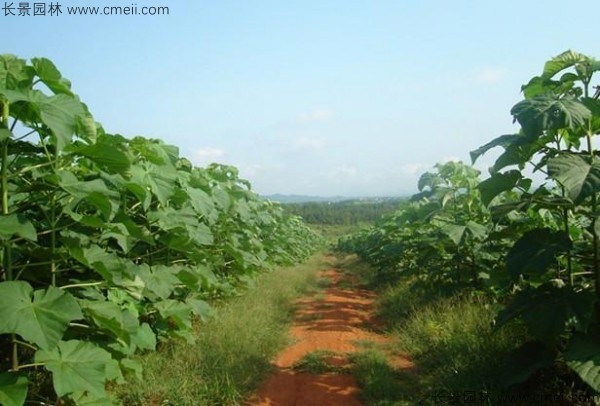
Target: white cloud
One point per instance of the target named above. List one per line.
(251, 170)
(316, 115)
(413, 168)
(308, 144)
(344, 171)
(203, 156)
(490, 76)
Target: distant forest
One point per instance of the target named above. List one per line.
(344, 213)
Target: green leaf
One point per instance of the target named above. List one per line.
(583, 357)
(178, 312)
(76, 366)
(548, 309)
(503, 140)
(110, 154)
(201, 308)
(478, 231)
(43, 320)
(12, 71)
(110, 317)
(133, 367)
(50, 76)
(549, 112)
(160, 179)
(536, 250)
(91, 399)
(524, 362)
(160, 280)
(16, 224)
(497, 184)
(454, 231)
(13, 389)
(575, 172)
(95, 192)
(60, 112)
(561, 62)
(145, 338)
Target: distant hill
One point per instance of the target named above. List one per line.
(305, 199)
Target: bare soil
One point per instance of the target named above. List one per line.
(338, 321)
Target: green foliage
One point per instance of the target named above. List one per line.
(536, 250)
(378, 380)
(350, 212)
(109, 244)
(232, 352)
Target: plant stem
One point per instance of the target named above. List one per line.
(53, 267)
(7, 248)
(596, 265)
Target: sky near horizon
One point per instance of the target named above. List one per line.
(327, 98)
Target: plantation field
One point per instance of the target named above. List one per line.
(130, 276)
(110, 246)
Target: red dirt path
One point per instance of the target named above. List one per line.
(335, 324)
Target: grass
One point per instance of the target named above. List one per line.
(317, 362)
(380, 383)
(449, 338)
(232, 352)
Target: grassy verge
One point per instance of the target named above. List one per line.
(232, 352)
(449, 338)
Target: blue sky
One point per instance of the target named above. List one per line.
(348, 98)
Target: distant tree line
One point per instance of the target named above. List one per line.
(343, 213)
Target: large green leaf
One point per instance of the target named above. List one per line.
(145, 338)
(95, 192)
(561, 62)
(498, 183)
(580, 175)
(84, 398)
(549, 112)
(16, 224)
(12, 72)
(50, 76)
(110, 317)
(160, 280)
(60, 113)
(536, 250)
(170, 219)
(457, 232)
(13, 389)
(548, 309)
(108, 265)
(178, 312)
(76, 366)
(583, 357)
(41, 321)
(161, 180)
(503, 140)
(109, 153)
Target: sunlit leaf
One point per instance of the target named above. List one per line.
(578, 174)
(76, 366)
(40, 317)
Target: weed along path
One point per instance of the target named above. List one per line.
(328, 327)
